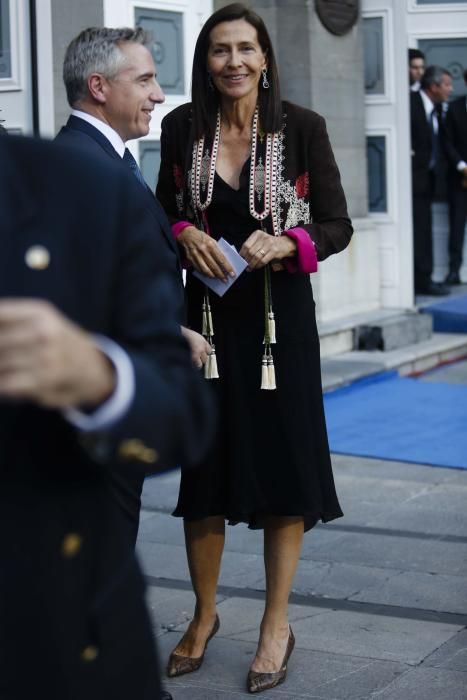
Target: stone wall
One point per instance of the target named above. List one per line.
(68, 19)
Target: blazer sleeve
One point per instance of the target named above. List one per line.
(173, 168)
(170, 417)
(331, 228)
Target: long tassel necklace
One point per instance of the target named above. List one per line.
(263, 180)
(203, 170)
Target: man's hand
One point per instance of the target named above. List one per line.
(47, 359)
(199, 347)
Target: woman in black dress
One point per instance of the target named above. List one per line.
(240, 164)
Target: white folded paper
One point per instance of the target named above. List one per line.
(237, 262)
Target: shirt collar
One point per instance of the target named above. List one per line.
(427, 103)
(104, 128)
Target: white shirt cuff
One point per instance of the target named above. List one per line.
(116, 405)
(461, 165)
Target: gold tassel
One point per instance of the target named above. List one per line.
(207, 368)
(264, 373)
(214, 373)
(204, 330)
(271, 373)
(210, 326)
(210, 368)
(272, 327)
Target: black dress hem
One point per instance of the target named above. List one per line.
(256, 521)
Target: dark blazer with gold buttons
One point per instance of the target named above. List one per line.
(72, 618)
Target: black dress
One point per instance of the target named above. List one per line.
(271, 454)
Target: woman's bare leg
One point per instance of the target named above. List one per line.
(282, 545)
(204, 541)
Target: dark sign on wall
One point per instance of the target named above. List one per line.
(338, 16)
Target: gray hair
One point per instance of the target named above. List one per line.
(96, 50)
(433, 76)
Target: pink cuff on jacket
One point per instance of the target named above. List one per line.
(179, 227)
(306, 260)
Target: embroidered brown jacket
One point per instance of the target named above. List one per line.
(308, 193)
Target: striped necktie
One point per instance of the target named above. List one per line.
(133, 165)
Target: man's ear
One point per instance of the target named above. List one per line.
(97, 87)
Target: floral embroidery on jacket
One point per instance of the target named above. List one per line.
(178, 176)
(298, 212)
(177, 172)
(293, 206)
(302, 185)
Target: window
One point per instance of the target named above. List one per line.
(167, 48)
(376, 168)
(439, 2)
(150, 160)
(5, 40)
(374, 55)
(449, 53)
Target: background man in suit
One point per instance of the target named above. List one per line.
(436, 86)
(416, 68)
(94, 376)
(110, 78)
(455, 142)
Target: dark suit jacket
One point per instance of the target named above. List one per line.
(455, 135)
(83, 136)
(72, 619)
(421, 146)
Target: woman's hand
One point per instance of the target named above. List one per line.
(204, 254)
(260, 248)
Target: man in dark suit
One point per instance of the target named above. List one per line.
(111, 85)
(94, 377)
(436, 86)
(455, 143)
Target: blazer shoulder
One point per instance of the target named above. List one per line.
(415, 98)
(459, 105)
(301, 116)
(180, 116)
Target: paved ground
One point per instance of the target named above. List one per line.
(379, 607)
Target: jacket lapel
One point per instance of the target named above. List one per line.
(154, 206)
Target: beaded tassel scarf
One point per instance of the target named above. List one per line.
(262, 191)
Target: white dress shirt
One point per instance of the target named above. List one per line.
(429, 106)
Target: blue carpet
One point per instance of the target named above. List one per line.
(450, 315)
(400, 419)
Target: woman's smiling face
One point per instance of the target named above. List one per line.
(235, 59)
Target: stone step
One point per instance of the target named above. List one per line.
(413, 359)
(391, 333)
(382, 329)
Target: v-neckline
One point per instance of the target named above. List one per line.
(234, 189)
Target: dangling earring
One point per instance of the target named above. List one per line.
(210, 83)
(265, 79)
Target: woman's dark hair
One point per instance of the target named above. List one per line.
(205, 99)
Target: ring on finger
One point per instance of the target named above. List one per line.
(262, 252)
